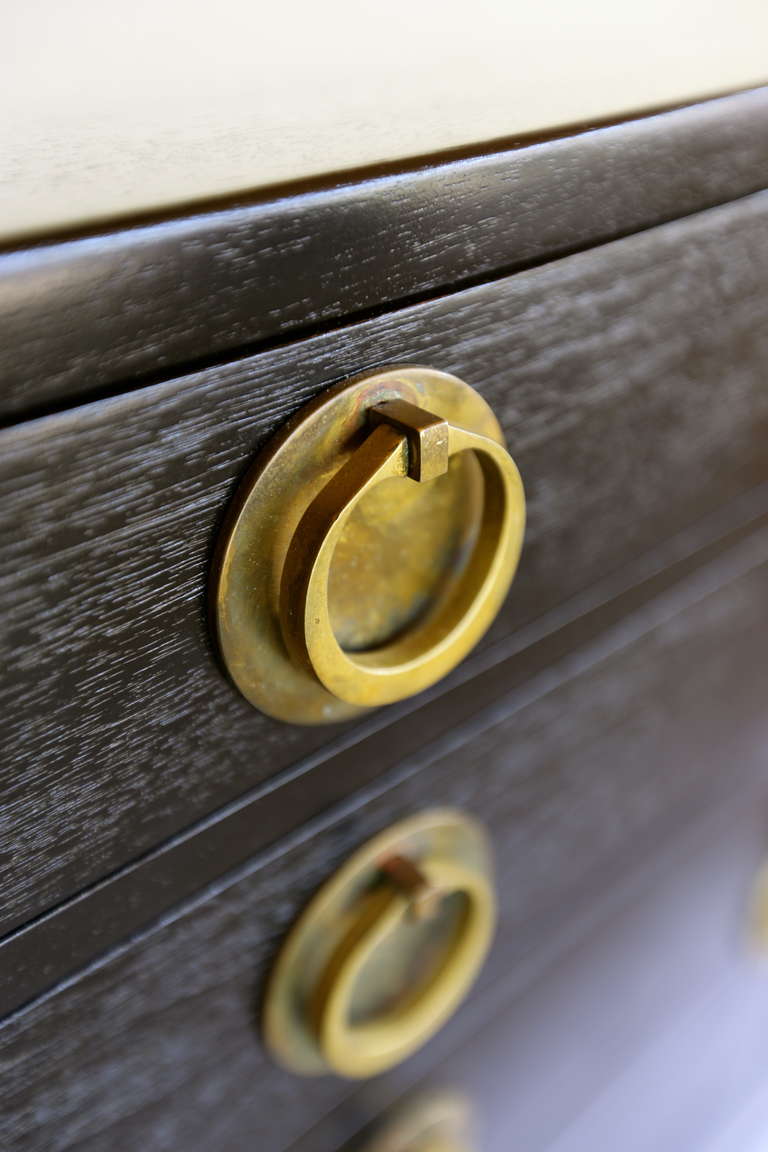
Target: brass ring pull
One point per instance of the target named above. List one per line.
(429, 1122)
(369, 547)
(386, 951)
(408, 442)
(369, 1048)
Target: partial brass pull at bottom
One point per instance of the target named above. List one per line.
(431, 1122)
(386, 951)
(369, 548)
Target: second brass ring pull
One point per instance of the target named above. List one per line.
(386, 950)
(407, 441)
(366, 1049)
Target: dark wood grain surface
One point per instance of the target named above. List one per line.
(647, 1029)
(630, 381)
(98, 312)
(158, 1046)
(83, 928)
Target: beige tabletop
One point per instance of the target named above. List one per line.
(116, 109)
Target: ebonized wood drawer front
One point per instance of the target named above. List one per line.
(578, 783)
(646, 1029)
(630, 381)
(83, 315)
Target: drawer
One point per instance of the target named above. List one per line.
(646, 1029)
(630, 384)
(95, 312)
(579, 775)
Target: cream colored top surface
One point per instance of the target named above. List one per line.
(113, 109)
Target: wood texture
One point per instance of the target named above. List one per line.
(609, 1044)
(159, 1047)
(630, 383)
(95, 313)
(78, 931)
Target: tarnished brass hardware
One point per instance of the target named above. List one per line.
(439, 1122)
(423, 897)
(386, 950)
(369, 548)
(758, 911)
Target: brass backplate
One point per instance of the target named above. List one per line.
(380, 583)
(402, 962)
